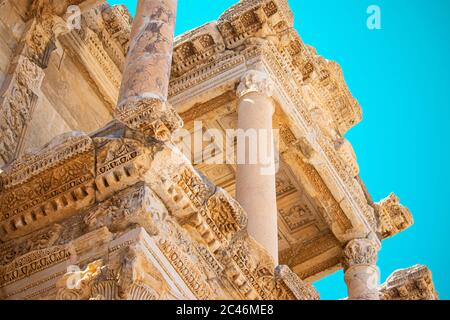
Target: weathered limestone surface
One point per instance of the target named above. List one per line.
(121, 213)
(414, 283)
(32, 45)
(135, 202)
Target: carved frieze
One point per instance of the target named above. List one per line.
(59, 181)
(43, 239)
(19, 95)
(263, 18)
(33, 262)
(291, 287)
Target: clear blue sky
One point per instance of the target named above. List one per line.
(401, 77)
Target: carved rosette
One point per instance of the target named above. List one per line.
(255, 81)
(360, 252)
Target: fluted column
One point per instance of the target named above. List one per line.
(255, 179)
(361, 273)
(143, 94)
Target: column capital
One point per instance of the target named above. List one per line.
(360, 252)
(255, 81)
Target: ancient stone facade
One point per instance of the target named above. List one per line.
(115, 209)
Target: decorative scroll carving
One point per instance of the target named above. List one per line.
(227, 214)
(360, 252)
(186, 269)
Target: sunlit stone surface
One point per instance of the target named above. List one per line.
(98, 201)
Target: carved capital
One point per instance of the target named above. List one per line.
(360, 252)
(255, 81)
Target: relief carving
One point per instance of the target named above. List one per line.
(393, 216)
(360, 252)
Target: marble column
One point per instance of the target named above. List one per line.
(143, 94)
(255, 178)
(361, 272)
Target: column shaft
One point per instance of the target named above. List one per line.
(147, 66)
(255, 179)
(362, 283)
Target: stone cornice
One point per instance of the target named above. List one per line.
(394, 217)
(128, 179)
(100, 47)
(305, 81)
(328, 161)
(414, 283)
(88, 50)
(20, 92)
(46, 8)
(273, 21)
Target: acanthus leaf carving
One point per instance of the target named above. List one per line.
(360, 252)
